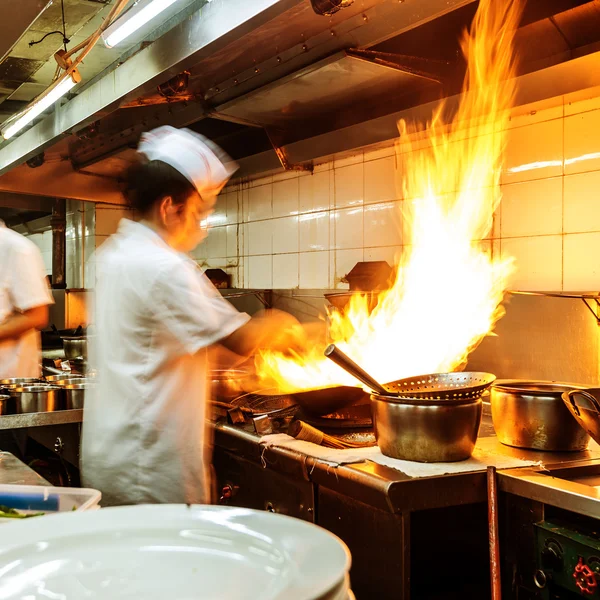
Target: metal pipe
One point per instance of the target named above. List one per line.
(59, 244)
(345, 362)
(493, 532)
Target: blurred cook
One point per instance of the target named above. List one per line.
(156, 316)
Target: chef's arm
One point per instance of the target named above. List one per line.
(19, 323)
(275, 330)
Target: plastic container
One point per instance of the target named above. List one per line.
(33, 499)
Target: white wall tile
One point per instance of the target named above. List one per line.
(260, 235)
(536, 113)
(260, 202)
(314, 270)
(348, 158)
(349, 185)
(348, 227)
(218, 217)
(285, 271)
(380, 151)
(315, 191)
(233, 249)
(232, 200)
(383, 225)
(390, 254)
(582, 202)
(217, 242)
(285, 197)
(582, 101)
(267, 180)
(582, 146)
(380, 180)
(532, 208)
(582, 267)
(534, 152)
(345, 260)
(538, 262)
(260, 272)
(285, 235)
(314, 231)
(108, 217)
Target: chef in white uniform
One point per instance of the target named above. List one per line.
(156, 315)
(24, 300)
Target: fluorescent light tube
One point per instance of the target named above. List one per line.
(131, 21)
(37, 108)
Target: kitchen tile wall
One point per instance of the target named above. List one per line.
(308, 230)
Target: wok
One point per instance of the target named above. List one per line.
(327, 400)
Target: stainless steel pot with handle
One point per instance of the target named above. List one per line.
(532, 415)
(36, 398)
(425, 430)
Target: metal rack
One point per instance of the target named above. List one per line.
(591, 300)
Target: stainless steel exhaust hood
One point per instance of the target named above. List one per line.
(275, 73)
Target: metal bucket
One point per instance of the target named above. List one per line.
(424, 430)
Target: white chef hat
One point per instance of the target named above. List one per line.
(197, 158)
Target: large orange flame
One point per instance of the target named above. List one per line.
(449, 288)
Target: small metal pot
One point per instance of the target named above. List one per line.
(425, 430)
(532, 415)
(75, 395)
(65, 381)
(36, 398)
(6, 405)
(53, 379)
(14, 382)
(75, 347)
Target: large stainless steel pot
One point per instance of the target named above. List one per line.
(36, 398)
(425, 430)
(55, 378)
(532, 415)
(75, 395)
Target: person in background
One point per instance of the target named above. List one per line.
(145, 437)
(24, 300)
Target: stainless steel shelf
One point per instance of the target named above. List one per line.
(44, 419)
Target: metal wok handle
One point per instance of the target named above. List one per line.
(591, 399)
(342, 360)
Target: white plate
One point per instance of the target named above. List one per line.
(169, 552)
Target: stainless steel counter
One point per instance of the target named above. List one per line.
(382, 487)
(15, 472)
(43, 419)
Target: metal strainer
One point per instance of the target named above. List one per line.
(442, 385)
(437, 386)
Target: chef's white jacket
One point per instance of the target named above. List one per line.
(144, 430)
(23, 286)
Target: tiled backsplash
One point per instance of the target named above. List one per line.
(308, 230)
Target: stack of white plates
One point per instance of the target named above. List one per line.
(172, 552)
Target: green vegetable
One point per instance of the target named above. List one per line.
(10, 513)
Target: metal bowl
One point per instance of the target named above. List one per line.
(36, 398)
(532, 415)
(54, 378)
(66, 381)
(424, 430)
(12, 382)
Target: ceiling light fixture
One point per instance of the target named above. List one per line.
(139, 14)
(57, 91)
